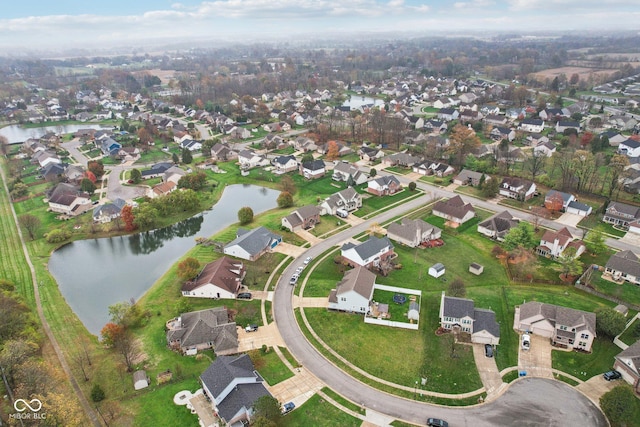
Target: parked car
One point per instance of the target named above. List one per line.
(299, 270)
(288, 407)
(244, 295)
(307, 260)
(251, 328)
(612, 375)
(342, 213)
(293, 279)
(437, 422)
(488, 350)
(526, 342)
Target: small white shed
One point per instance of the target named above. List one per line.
(436, 270)
(140, 380)
(414, 311)
(476, 268)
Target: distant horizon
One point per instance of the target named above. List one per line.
(38, 26)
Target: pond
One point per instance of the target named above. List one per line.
(355, 102)
(16, 134)
(94, 274)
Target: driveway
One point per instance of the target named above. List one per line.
(537, 360)
(289, 249)
(488, 370)
(308, 237)
(569, 219)
(297, 389)
(265, 335)
(596, 386)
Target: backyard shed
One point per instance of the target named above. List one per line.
(414, 311)
(436, 270)
(476, 268)
(140, 380)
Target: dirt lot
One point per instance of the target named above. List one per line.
(568, 71)
(163, 75)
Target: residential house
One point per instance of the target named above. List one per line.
(563, 125)
(470, 116)
(413, 232)
(156, 170)
(535, 139)
(577, 208)
(517, 188)
(251, 244)
(469, 177)
(354, 292)
(440, 169)
(370, 253)
(202, 330)
(566, 327)
(496, 120)
(129, 154)
(305, 144)
(313, 169)
(630, 148)
(343, 149)
(554, 243)
(627, 362)
(109, 211)
(499, 133)
(53, 172)
(191, 144)
(621, 214)
(110, 147)
(435, 126)
(221, 278)
(384, 185)
(161, 189)
(284, 164)
(448, 114)
(614, 137)
(498, 225)
(400, 159)
(44, 158)
(248, 159)
(69, 200)
(345, 171)
(557, 200)
(370, 154)
(223, 152)
(545, 149)
(624, 265)
(454, 210)
(621, 122)
(232, 385)
(173, 174)
(348, 199)
(549, 114)
(302, 218)
(461, 313)
(532, 125)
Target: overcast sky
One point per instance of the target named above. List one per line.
(65, 23)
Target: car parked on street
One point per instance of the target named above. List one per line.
(307, 260)
(437, 422)
(612, 375)
(244, 295)
(293, 279)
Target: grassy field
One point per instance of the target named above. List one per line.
(631, 334)
(625, 291)
(584, 365)
(270, 366)
(318, 412)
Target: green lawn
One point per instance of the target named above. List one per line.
(625, 291)
(342, 401)
(328, 225)
(584, 365)
(376, 204)
(318, 412)
(399, 170)
(155, 407)
(631, 335)
(269, 366)
(594, 222)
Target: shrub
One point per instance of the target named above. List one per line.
(412, 185)
(97, 393)
(57, 235)
(245, 215)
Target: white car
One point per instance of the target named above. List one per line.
(307, 260)
(526, 342)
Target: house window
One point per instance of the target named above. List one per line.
(584, 336)
(343, 299)
(563, 328)
(570, 341)
(582, 344)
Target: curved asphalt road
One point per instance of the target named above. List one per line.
(528, 402)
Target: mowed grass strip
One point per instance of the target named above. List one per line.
(318, 412)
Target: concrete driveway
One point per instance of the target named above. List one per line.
(570, 219)
(537, 360)
(289, 249)
(297, 389)
(265, 335)
(596, 386)
(488, 370)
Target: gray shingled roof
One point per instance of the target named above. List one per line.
(370, 247)
(454, 207)
(579, 206)
(625, 262)
(501, 222)
(222, 372)
(552, 193)
(632, 352)
(359, 280)
(559, 315)
(313, 165)
(457, 307)
(485, 320)
(211, 325)
(408, 228)
(254, 241)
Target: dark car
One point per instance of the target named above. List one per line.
(488, 350)
(437, 422)
(612, 375)
(244, 295)
(288, 407)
